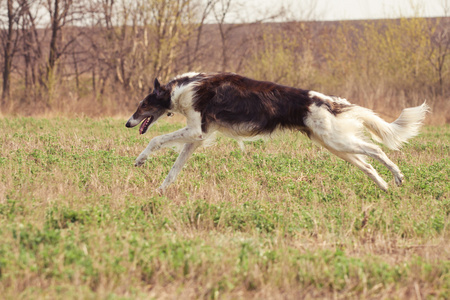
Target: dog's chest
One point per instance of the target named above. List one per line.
(182, 99)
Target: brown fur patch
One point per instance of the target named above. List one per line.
(229, 99)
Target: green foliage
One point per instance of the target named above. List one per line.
(366, 59)
(283, 58)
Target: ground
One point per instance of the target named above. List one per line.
(284, 219)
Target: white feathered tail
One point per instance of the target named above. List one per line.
(397, 133)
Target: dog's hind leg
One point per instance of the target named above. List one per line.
(343, 136)
(375, 152)
(357, 146)
(187, 151)
(344, 152)
(359, 161)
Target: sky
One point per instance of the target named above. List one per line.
(347, 9)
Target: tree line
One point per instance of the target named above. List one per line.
(45, 41)
(107, 52)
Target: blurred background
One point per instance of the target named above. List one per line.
(99, 57)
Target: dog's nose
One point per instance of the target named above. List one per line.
(128, 124)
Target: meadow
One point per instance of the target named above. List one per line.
(282, 220)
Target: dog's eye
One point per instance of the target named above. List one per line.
(144, 104)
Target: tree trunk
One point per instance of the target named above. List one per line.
(75, 66)
(53, 42)
(8, 54)
(94, 89)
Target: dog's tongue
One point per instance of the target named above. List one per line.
(143, 126)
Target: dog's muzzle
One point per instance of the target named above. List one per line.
(146, 122)
(132, 122)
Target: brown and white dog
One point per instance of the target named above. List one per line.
(245, 108)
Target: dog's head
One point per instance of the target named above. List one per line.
(154, 105)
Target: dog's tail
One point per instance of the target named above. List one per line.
(395, 134)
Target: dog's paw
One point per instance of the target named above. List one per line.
(161, 190)
(399, 178)
(384, 186)
(140, 160)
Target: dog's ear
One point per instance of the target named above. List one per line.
(156, 85)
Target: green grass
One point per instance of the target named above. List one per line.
(285, 219)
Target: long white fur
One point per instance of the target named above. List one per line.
(343, 135)
(394, 135)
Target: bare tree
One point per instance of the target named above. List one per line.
(196, 34)
(439, 52)
(440, 45)
(167, 17)
(9, 43)
(31, 42)
(227, 16)
(62, 13)
(137, 40)
(221, 10)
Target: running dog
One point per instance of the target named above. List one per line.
(243, 108)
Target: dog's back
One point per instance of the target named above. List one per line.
(252, 107)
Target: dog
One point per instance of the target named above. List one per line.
(244, 108)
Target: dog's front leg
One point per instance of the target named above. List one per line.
(187, 151)
(185, 135)
(140, 160)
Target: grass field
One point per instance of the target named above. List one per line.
(285, 219)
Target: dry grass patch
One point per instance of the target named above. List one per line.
(284, 219)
